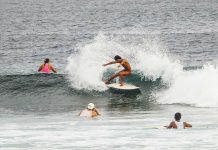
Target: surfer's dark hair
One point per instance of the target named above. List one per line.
(117, 57)
(177, 116)
(46, 60)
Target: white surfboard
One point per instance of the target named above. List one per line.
(124, 87)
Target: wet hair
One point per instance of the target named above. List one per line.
(46, 60)
(177, 116)
(117, 57)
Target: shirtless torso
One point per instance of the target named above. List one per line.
(123, 73)
(127, 68)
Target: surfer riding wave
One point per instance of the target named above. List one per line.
(122, 74)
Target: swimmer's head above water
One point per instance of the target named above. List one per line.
(177, 116)
(91, 106)
(46, 67)
(46, 60)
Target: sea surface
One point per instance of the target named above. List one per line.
(172, 46)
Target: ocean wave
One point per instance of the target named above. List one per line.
(33, 84)
(196, 86)
(30, 84)
(161, 77)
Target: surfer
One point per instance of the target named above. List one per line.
(177, 124)
(125, 72)
(46, 67)
(90, 111)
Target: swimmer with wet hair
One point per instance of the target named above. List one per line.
(46, 67)
(177, 123)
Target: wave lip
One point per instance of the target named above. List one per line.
(196, 87)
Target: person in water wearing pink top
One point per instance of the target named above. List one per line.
(47, 67)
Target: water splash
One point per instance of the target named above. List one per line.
(196, 87)
(148, 58)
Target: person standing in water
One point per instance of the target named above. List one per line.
(47, 67)
(122, 74)
(177, 124)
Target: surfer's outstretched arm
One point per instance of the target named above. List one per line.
(112, 62)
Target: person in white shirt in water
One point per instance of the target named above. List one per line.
(90, 111)
(177, 124)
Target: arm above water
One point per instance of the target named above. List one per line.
(40, 68)
(52, 68)
(79, 113)
(95, 112)
(171, 125)
(187, 125)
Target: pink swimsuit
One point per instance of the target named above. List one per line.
(46, 68)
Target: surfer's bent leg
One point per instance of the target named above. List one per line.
(122, 75)
(121, 80)
(111, 78)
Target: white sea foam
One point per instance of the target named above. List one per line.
(196, 87)
(85, 68)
